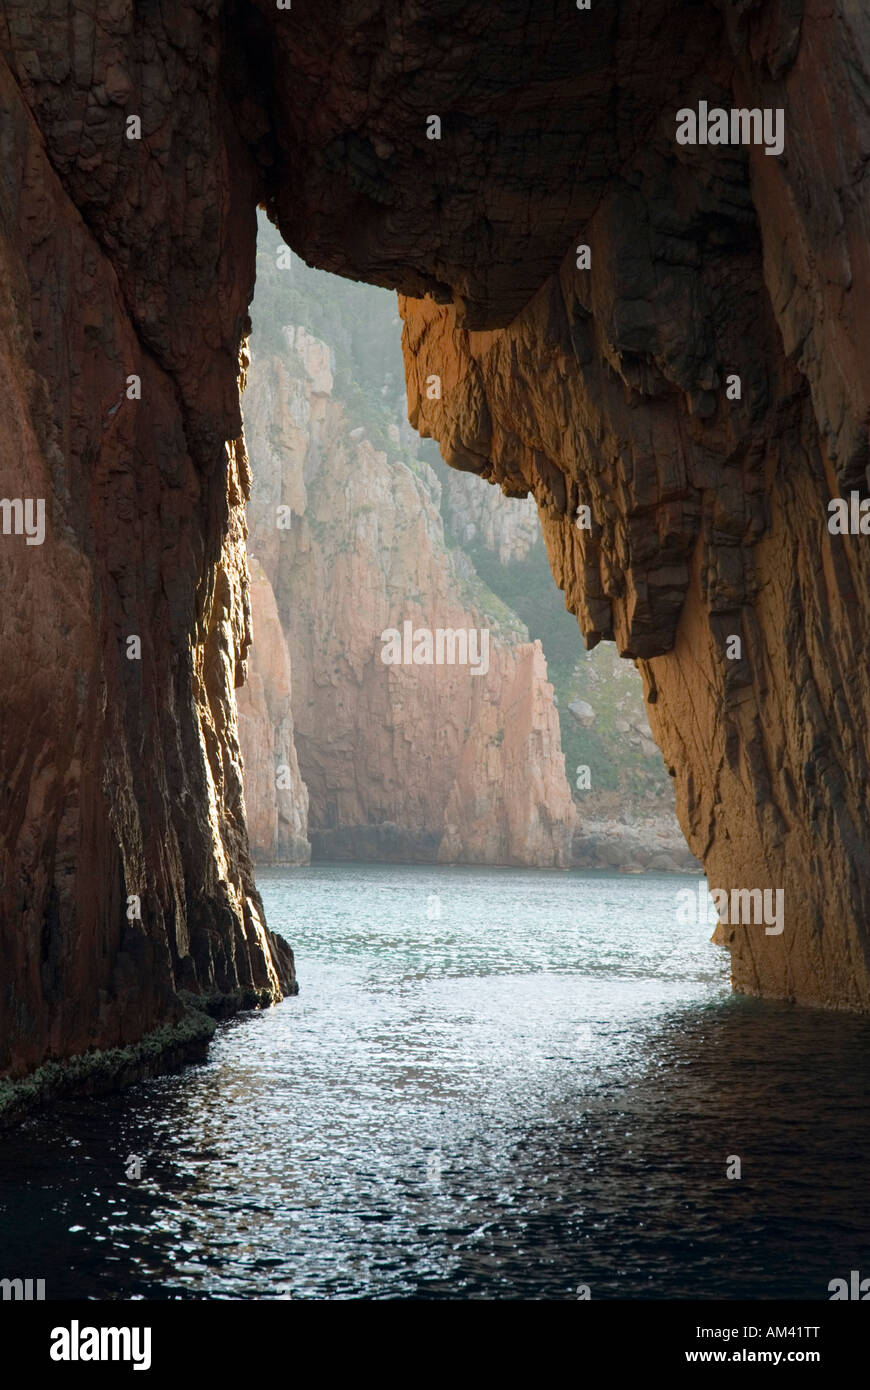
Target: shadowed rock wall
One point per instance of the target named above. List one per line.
(120, 778)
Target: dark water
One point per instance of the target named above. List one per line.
(536, 1089)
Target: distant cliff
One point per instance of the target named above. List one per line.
(481, 516)
(276, 797)
(401, 762)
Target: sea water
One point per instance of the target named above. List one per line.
(494, 1083)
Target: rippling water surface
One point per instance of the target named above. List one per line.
(536, 1089)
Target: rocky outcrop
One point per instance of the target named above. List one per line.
(401, 762)
(630, 838)
(478, 516)
(128, 251)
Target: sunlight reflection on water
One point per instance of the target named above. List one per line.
(534, 1086)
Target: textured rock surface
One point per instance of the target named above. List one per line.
(479, 515)
(601, 386)
(121, 777)
(401, 762)
(613, 836)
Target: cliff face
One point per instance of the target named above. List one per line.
(124, 870)
(478, 515)
(276, 798)
(129, 252)
(426, 762)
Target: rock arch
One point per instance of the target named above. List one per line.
(602, 387)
